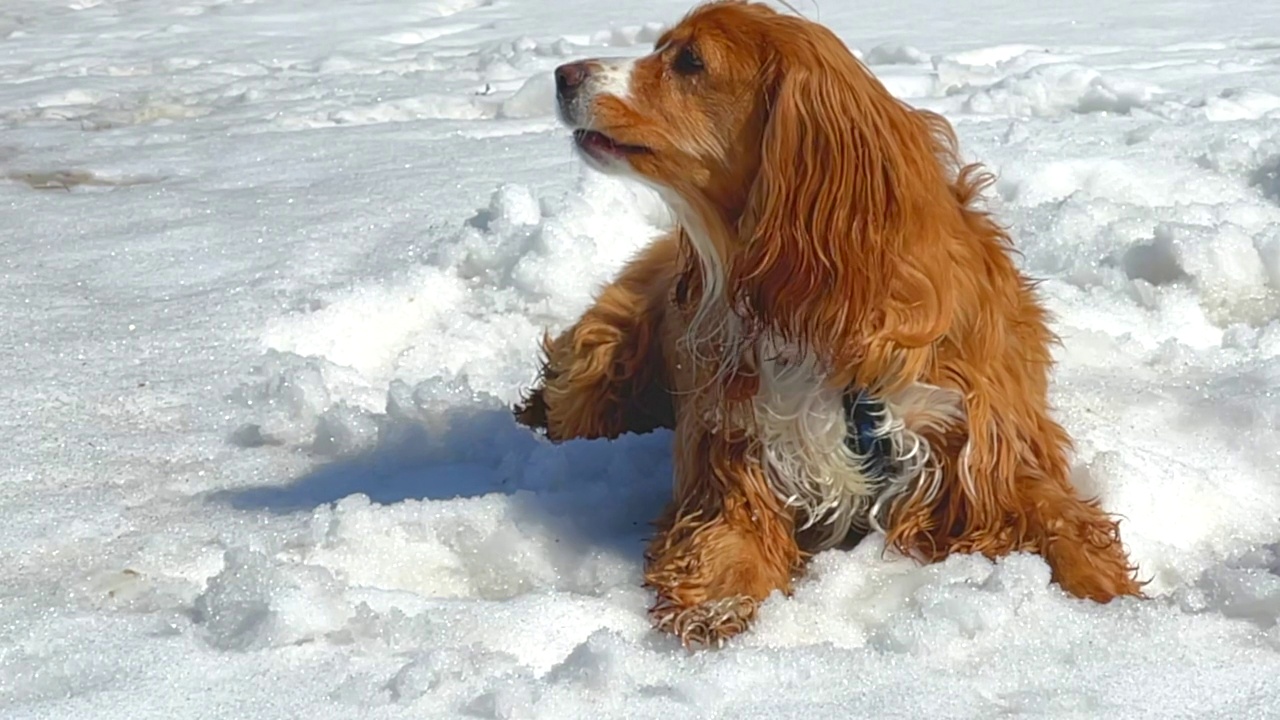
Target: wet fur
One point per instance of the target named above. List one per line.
(820, 214)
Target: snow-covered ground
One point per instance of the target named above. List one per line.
(271, 271)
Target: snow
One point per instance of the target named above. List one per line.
(273, 271)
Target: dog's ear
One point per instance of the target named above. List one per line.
(840, 234)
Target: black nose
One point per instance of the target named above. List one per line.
(569, 78)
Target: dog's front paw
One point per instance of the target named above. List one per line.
(707, 624)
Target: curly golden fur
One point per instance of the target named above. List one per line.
(822, 218)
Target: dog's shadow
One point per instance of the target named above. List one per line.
(599, 493)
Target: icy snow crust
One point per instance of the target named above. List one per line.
(273, 270)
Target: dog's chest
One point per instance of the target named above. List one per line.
(828, 457)
(821, 446)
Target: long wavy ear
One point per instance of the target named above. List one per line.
(841, 247)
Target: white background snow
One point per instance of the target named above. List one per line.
(271, 271)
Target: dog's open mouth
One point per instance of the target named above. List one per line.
(598, 144)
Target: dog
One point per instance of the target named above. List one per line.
(835, 332)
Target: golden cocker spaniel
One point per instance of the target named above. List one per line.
(837, 336)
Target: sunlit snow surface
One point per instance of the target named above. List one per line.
(270, 273)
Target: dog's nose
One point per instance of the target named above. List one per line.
(569, 78)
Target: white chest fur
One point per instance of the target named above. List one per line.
(801, 425)
(803, 428)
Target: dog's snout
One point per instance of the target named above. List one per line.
(569, 77)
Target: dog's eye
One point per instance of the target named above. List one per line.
(687, 61)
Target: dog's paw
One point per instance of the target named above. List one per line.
(531, 410)
(708, 624)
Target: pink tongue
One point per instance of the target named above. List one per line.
(600, 142)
